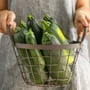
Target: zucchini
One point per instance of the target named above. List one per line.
(21, 29)
(56, 64)
(19, 37)
(50, 19)
(38, 74)
(54, 29)
(34, 25)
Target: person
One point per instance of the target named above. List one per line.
(72, 15)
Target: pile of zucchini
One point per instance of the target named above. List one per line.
(43, 65)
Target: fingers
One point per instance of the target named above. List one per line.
(13, 26)
(7, 18)
(10, 18)
(79, 28)
(10, 21)
(82, 20)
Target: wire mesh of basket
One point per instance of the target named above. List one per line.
(50, 65)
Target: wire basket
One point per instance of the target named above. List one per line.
(58, 67)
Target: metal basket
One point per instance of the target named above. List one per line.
(30, 72)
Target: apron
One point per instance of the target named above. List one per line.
(63, 12)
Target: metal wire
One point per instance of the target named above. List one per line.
(51, 56)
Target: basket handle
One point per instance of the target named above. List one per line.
(10, 35)
(80, 39)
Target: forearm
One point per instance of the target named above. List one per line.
(82, 3)
(3, 5)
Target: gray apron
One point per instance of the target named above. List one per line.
(62, 11)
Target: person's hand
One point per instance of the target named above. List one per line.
(7, 19)
(82, 20)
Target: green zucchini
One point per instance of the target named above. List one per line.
(19, 37)
(38, 74)
(34, 25)
(50, 19)
(56, 64)
(54, 29)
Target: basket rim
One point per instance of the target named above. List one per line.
(47, 47)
